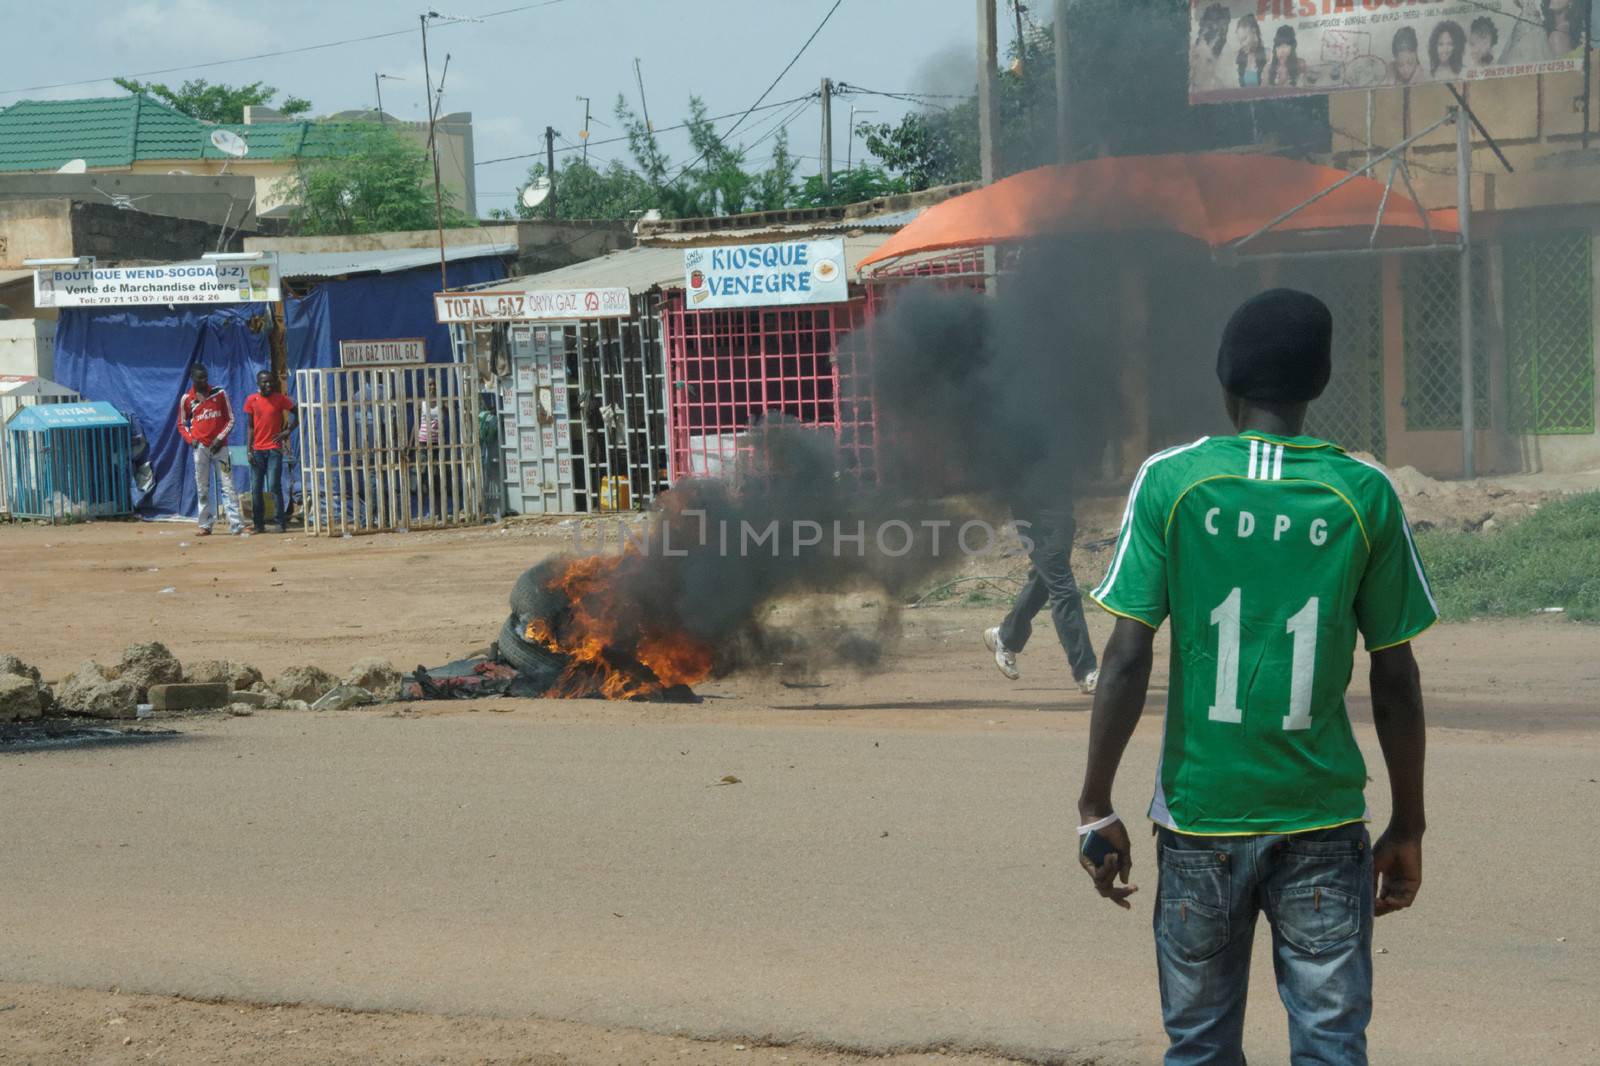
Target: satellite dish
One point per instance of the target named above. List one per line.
(74, 166)
(535, 192)
(229, 143)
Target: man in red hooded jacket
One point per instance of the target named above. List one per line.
(204, 422)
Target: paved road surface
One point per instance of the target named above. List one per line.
(875, 880)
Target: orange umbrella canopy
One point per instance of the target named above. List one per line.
(1212, 197)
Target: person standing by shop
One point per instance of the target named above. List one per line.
(205, 418)
(269, 418)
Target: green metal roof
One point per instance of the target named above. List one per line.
(117, 131)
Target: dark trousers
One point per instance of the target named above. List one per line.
(266, 469)
(1050, 581)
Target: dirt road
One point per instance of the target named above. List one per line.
(891, 872)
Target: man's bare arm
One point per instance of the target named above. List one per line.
(1118, 705)
(1397, 712)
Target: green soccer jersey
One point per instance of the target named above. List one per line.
(1268, 553)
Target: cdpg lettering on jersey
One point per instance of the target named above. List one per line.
(1282, 524)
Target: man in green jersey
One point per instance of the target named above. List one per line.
(1269, 551)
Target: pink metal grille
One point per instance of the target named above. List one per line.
(730, 369)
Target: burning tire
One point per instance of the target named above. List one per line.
(535, 663)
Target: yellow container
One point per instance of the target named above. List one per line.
(614, 494)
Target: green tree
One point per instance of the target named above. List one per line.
(216, 103)
(370, 180)
(715, 181)
(584, 191)
(861, 182)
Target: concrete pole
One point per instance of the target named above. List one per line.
(1064, 152)
(988, 92)
(550, 169)
(1469, 435)
(827, 134)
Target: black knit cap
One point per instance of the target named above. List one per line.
(1277, 348)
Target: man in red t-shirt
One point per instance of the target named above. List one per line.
(270, 419)
(205, 419)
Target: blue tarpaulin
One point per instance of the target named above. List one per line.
(376, 307)
(138, 358)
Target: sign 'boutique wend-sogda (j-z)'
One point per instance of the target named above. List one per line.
(766, 275)
(164, 283)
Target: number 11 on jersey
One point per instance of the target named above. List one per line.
(1302, 627)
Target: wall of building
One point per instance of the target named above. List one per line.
(208, 199)
(540, 246)
(34, 229)
(27, 346)
(1538, 123)
(1529, 118)
(453, 132)
(113, 235)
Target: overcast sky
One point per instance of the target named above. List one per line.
(515, 72)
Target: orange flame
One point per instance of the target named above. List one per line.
(589, 641)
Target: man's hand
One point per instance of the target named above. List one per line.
(1118, 863)
(1396, 872)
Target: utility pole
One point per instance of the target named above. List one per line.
(1022, 44)
(827, 134)
(550, 169)
(584, 136)
(377, 87)
(1064, 148)
(988, 92)
(1469, 412)
(433, 150)
(644, 105)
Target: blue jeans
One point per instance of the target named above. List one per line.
(1316, 891)
(266, 475)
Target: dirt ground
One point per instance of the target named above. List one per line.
(274, 601)
(51, 1026)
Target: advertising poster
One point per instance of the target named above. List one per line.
(766, 275)
(1265, 49)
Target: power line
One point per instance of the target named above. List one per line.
(664, 129)
(269, 55)
(768, 90)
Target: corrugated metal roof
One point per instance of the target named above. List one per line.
(889, 221)
(338, 264)
(115, 131)
(647, 267)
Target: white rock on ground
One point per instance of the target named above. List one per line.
(305, 683)
(377, 676)
(241, 677)
(19, 698)
(91, 692)
(147, 664)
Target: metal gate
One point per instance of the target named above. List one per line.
(1350, 411)
(386, 449)
(1549, 290)
(583, 415)
(733, 368)
(1433, 340)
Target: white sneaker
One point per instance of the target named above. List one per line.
(1090, 682)
(1005, 661)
